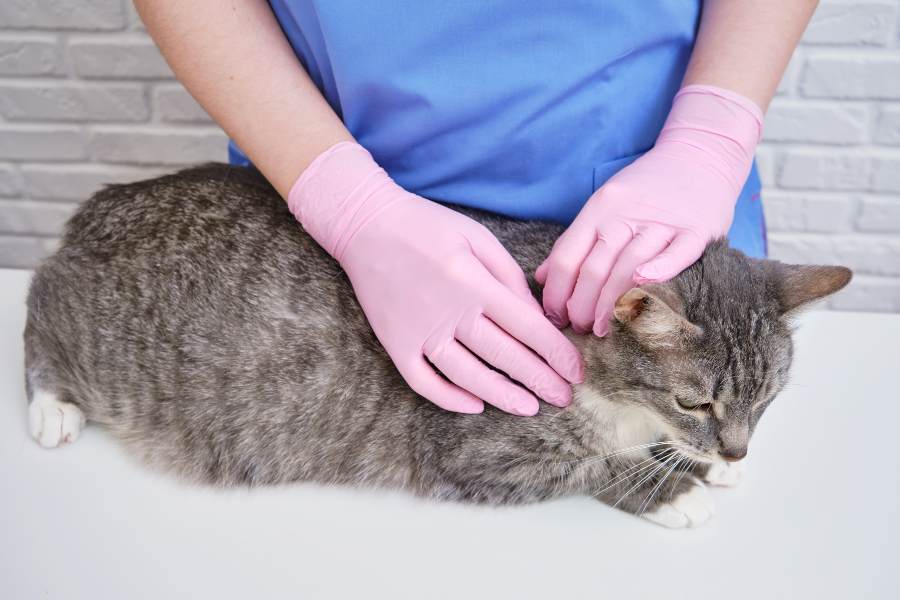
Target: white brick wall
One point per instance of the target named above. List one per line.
(830, 160)
(85, 99)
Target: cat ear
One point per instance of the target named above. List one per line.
(654, 317)
(799, 285)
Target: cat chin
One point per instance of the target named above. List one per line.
(631, 424)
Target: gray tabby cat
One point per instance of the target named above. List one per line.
(193, 317)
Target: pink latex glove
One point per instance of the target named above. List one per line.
(435, 284)
(654, 218)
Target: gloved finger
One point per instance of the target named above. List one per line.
(646, 244)
(684, 251)
(424, 381)
(595, 271)
(534, 330)
(540, 274)
(498, 261)
(560, 270)
(469, 373)
(500, 350)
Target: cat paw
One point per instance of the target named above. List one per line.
(726, 474)
(690, 509)
(51, 422)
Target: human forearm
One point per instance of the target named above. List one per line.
(235, 60)
(745, 45)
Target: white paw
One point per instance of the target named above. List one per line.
(52, 422)
(690, 509)
(727, 474)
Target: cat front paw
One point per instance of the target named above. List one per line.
(53, 422)
(725, 474)
(689, 509)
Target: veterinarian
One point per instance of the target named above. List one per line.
(632, 123)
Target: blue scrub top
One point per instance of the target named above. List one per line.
(520, 107)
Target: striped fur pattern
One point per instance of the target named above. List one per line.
(194, 319)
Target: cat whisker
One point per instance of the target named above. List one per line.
(589, 459)
(635, 470)
(567, 467)
(622, 451)
(632, 470)
(662, 480)
(644, 479)
(690, 467)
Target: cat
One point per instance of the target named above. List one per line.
(194, 318)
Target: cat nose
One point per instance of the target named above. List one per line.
(733, 454)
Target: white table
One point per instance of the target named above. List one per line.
(816, 517)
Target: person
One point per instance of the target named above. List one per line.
(633, 123)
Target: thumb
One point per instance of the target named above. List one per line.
(540, 274)
(504, 268)
(678, 256)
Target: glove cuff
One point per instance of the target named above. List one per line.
(337, 194)
(725, 125)
(736, 105)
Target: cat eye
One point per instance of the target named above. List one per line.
(688, 405)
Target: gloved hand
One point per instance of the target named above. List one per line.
(435, 284)
(654, 218)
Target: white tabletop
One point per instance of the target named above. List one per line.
(816, 516)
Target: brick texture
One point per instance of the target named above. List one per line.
(853, 22)
(30, 217)
(86, 100)
(887, 129)
(801, 121)
(74, 182)
(24, 251)
(846, 76)
(31, 55)
(11, 183)
(174, 105)
(132, 58)
(72, 102)
(41, 142)
(155, 146)
(104, 15)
